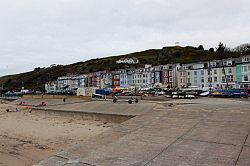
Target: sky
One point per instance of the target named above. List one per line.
(38, 33)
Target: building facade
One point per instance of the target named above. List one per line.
(219, 74)
(51, 87)
(66, 84)
(243, 72)
(124, 82)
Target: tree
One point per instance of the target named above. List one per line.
(177, 54)
(243, 48)
(201, 48)
(221, 48)
(37, 69)
(211, 50)
(221, 52)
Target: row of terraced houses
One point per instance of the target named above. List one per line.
(220, 74)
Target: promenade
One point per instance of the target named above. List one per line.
(198, 132)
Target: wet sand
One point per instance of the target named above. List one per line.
(26, 138)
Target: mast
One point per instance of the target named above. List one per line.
(221, 51)
(209, 73)
(225, 75)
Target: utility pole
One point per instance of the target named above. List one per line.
(221, 50)
(210, 80)
(224, 72)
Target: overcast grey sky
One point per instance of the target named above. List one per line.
(37, 33)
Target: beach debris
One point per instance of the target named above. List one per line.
(73, 162)
(170, 104)
(22, 103)
(14, 153)
(17, 110)
(42, 147)
(42, 104)
(70, 121)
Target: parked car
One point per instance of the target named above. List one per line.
(127, 93)
(98, 96)
(160, 93)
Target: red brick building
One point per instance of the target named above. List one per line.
(167, 78)
(116, 80)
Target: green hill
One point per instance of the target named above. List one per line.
(39, 76)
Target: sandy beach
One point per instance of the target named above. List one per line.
(26, 138)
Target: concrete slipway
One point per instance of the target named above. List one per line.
(206, 133)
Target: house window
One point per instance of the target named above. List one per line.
(195, 72)
(214, 64)
(246, 59)
(202, 79)
(245, 78)
(223, 71)
(229, 70)
(215, 79)
(202, 72)
(230, 78)
(215, 71)
(209, 79)
(244, 68)
(229, 63)
(223, 79)
(195, 81)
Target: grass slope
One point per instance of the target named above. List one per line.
(39, 76)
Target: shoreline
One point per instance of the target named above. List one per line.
(27, 138)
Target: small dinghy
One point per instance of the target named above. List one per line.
(204, 94)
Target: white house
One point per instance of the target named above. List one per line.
(51, 87)
(124, 78)
(70, 83)
(140, 78)
(128, 60)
